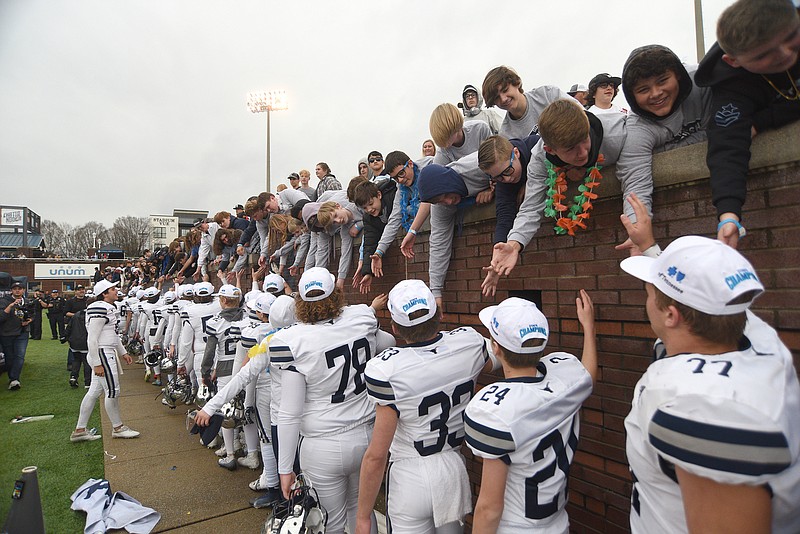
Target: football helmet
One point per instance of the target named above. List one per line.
(233, 412)
(135, 347)
(203, 395)
(177, 391)
(168, 365)
(154, 357)
(301, 514)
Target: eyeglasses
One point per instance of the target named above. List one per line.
(373, 160)
(402, 173)
(508, 171)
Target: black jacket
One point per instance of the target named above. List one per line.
(740, 100)
(373, 226)
(10, 324)
(76, 333)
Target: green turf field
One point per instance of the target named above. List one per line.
(63, 466)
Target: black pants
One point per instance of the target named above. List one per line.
(79, 358)
(56, 325)
(36, 326)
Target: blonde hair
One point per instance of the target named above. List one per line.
(493, 149)
(304, 172)
(281, 187)
(446, 120)
(278, 231)
(325, 214)
(563, 124)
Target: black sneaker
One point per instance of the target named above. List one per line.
(73, 382)
(272, 496)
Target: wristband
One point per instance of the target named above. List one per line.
(379, 253)
(412, 231)
(652, 252)
(742, 231)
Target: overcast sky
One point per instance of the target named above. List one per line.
(112, 108)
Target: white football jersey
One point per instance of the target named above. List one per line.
(193, 330)
(106, 314)
(429, 386)
(532, 424)
(331, 355)
(733, 418)
(228, 333)
(178, 307)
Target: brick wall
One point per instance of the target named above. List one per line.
(558, 266)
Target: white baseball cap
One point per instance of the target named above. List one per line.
(273, 283)
(515, 321)
(132, 292)
(704, 274)
(282, 312)
(139, 294)
(103, 285)
(409, 296)
(170, 297)
(203, 289)
(151, 292)
(230, 291)
(263, 303)
(317, 278)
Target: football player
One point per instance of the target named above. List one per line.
(713, 436)
(324, 395)
(420, 392)
(192, 342)
(104, 349)
(525, 427)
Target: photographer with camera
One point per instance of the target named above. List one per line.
(15, 319)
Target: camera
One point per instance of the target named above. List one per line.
(21, 313)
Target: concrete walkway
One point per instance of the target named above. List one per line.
(172, 472)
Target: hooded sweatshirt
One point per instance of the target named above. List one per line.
(740, 100)
(374, 226)
(462, 177)
(647, 133)
(322, 241)
(479, 113)
(607, 133)
(506, 205)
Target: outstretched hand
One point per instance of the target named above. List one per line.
(489, 285)
(504, 258)
(585, 311)
(640, 233)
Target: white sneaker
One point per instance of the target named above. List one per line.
(221, 452)
(228, 462)
(14, 384)
(124, 432)
(257, 485)
(250, 461)
(83, 435)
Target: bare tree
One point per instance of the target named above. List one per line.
(130, 234)
(60, 239)
(90, 235)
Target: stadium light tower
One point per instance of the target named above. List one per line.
(268, 101)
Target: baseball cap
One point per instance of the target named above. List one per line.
(238, 207)
(605, 78)
(294, 176)
(281, 313)
(170, 297)
(140, 294)
(20, 284)
(263, 303)
(702, 273)
(151, 292)
(132, 292)
(54, 291)
(185, 290)
(200, 221)
(99, 287)
(316, 278)
(203, 289)
(273, 283)
(230, 291)
(515, 321)
(577, 88)
(409, 296)
(79, 286)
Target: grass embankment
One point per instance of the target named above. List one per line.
(63, 466)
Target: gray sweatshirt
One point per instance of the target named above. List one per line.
(443, 219)
(538, 99)
(325, 239)
(645, 136)
(530, 212)
(474, 133)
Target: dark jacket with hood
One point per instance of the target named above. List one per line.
(647, 133)
(740, 100)
(76, 333)
(506, 195)
(373, 226)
